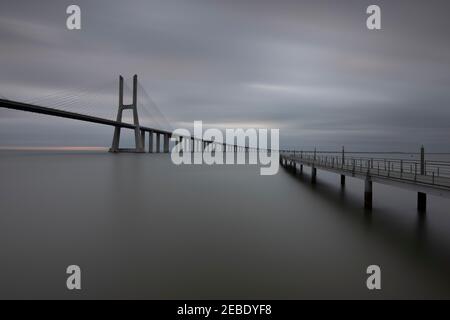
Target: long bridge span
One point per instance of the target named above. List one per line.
(155, 134)
(422, 176)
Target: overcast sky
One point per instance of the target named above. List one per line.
(310, 68)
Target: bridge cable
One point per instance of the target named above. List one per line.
(148, 105)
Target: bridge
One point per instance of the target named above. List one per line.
(155, 135)
(422, 176)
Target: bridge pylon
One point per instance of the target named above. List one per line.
(139, 142)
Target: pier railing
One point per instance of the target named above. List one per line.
(433, 172)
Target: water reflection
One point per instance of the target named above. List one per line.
(142, 227)
(378, 222)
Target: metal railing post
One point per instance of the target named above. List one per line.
(422, 161)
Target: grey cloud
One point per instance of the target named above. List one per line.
(308, 67)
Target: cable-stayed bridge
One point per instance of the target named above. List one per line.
(423, 176)
(80, 104)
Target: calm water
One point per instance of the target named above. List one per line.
(140, 227)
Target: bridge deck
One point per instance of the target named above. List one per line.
(15, 105)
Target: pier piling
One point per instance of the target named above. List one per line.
(368, 193)
(422, 202)
(313, 175)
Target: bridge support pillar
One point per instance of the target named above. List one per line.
(301, 169)
(421, 202)
(166, 143)
(158, 143)
(143, 140)
(342, 180)
(139, 145)
(180, 144)
(150, 142)
(313, 175)
(368, 193)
